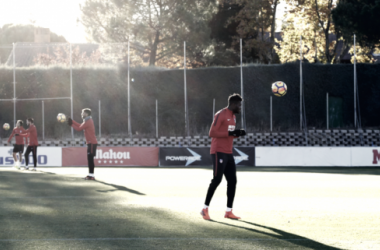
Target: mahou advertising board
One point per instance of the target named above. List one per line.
(111, 156)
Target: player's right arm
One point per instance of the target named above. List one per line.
(216, 126)
(10, 137)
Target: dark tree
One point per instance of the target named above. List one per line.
(223, 33)
(360, 18)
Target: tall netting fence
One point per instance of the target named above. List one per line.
(97, 76)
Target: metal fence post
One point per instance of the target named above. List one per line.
(185, 87)
(213, 109)
(14, 83)
(271, 115)
(71, 89)
(241, 86)
(355, 115)
(327, 110)
(156, 118)
(301, 81)
(129, 97)
(100, 120)
(43, 121)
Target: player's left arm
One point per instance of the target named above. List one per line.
(80, 127)
(74, 122)
(75, 125)
(24, 135)
(25, 138)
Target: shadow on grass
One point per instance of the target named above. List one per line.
(282, 235)
(117, 188)
(40, 211)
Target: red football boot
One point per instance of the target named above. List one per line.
(205, 215)
(230, 215)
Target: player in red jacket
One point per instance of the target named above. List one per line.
(89, 134)
(31, 132)
(223, 133)
(19, 146)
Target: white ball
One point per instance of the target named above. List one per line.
(6, 126)
(61, 117)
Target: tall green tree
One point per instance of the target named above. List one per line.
(155, 27)
(311, 19)
(256, 19)
(223, 33)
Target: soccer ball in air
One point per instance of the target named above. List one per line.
(279, 88)
(61, 117)
(6, 126)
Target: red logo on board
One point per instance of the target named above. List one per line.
(376, 156)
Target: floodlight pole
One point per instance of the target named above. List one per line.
(71, 89)
(129, 98)
(301, 81)
(185, 87)
(355, 118)
(241, 84)
(14, 84)
(43, 121)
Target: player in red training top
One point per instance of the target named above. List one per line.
(89, 134)
(223, 133)
(31, 132)
(19, 146)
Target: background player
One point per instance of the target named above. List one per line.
(89, 134)
(31, 132)
(19, 146)
(223, 133)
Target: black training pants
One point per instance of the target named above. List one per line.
(32, 149)
(91, 153)
(224, 164)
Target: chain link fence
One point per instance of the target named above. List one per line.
(47, 79)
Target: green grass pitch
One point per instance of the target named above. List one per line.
(158, 208)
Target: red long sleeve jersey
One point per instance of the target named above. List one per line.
(89, 130)
(31, 132)
(19, 139)
(224, 121)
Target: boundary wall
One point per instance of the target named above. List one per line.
(199, 156)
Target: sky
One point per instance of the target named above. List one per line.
(60, 16)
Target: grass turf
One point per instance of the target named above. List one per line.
(151, 208)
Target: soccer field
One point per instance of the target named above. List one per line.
(152, 208)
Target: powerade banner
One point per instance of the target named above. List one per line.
(200, 156)
(185, 157)
(46, 157)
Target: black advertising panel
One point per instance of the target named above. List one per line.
(244, 156)
(200, 156)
